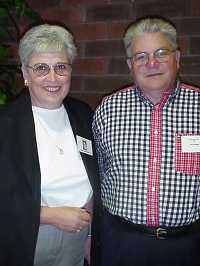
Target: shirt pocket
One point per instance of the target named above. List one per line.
(186, 162)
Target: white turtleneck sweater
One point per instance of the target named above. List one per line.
(64, 181)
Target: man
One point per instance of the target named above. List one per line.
(148, 144)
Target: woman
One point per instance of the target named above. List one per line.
(48, 159)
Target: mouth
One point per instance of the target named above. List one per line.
(153, 75)
(52, 89)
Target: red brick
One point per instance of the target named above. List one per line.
(24, 24)
(101, 67)
(67, 16)
(195, 45)
(104, 48)
(188, 26)
(104, 84)
(108, 12)
(118, 66)
(93, 99)
(192, 79)
(116, 29)
(43, 3)
(190, 65)
(89, 66)
(81, 48)
(120, 1)
(90, 31)
(81, 2)
(76, 84)
(13, 51)
(167, 8)
(184, 44)
(195, 6)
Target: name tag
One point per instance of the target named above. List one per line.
(84, 145)
(190, 143)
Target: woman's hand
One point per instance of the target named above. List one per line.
(70, 219)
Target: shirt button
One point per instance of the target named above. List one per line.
(154, 160)
(156, 132)
(153, 189)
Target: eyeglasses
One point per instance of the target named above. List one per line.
(42, 69)
(161, 55)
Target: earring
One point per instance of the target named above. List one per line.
(26, 82)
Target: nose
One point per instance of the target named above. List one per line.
(52, 74)
(152, 62)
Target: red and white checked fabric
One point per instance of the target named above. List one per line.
(145, 178)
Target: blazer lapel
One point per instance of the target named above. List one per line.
(27, 154)
(72, 120)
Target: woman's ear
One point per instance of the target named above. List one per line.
(25, 75)
(24, 72)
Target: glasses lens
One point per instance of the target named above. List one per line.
(140, 58)
(62, 69)
(41, 69)
(162, 55)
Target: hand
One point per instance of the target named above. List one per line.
(70, 219)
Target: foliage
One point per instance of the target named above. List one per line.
(12, 12)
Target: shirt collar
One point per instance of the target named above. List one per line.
(167, 98)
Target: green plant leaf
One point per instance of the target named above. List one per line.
(20, 8)
(11, 12)
(3, 12)
(32, 15)
(3, 52)
(3, 97)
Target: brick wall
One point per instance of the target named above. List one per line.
(98, 26)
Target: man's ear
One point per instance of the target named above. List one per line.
(178, 56)
(129, 63)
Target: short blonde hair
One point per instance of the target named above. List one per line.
(149, 25)
(47, 38)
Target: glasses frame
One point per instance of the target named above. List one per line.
(49, 68)
(157, 58)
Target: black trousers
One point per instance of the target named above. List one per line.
(124, 247)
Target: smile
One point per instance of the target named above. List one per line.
(52, 89)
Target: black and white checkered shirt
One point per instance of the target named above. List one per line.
(147, 176)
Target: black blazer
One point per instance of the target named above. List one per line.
(21, 179)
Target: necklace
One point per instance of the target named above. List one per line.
(61, 151)
(58, 145)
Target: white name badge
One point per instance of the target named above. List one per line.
(190, 143)
(84, 145)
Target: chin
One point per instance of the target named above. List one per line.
(157, 86)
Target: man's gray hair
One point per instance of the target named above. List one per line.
(47, 38)
(149, 25)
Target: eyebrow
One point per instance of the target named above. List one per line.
(161, 48)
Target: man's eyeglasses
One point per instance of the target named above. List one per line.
(161, 55)
(42, 69)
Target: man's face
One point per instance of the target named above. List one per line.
(154, 75)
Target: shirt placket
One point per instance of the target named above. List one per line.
(154, 164)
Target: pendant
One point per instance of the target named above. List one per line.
(61, 152)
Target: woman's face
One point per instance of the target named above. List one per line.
(47, 91)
